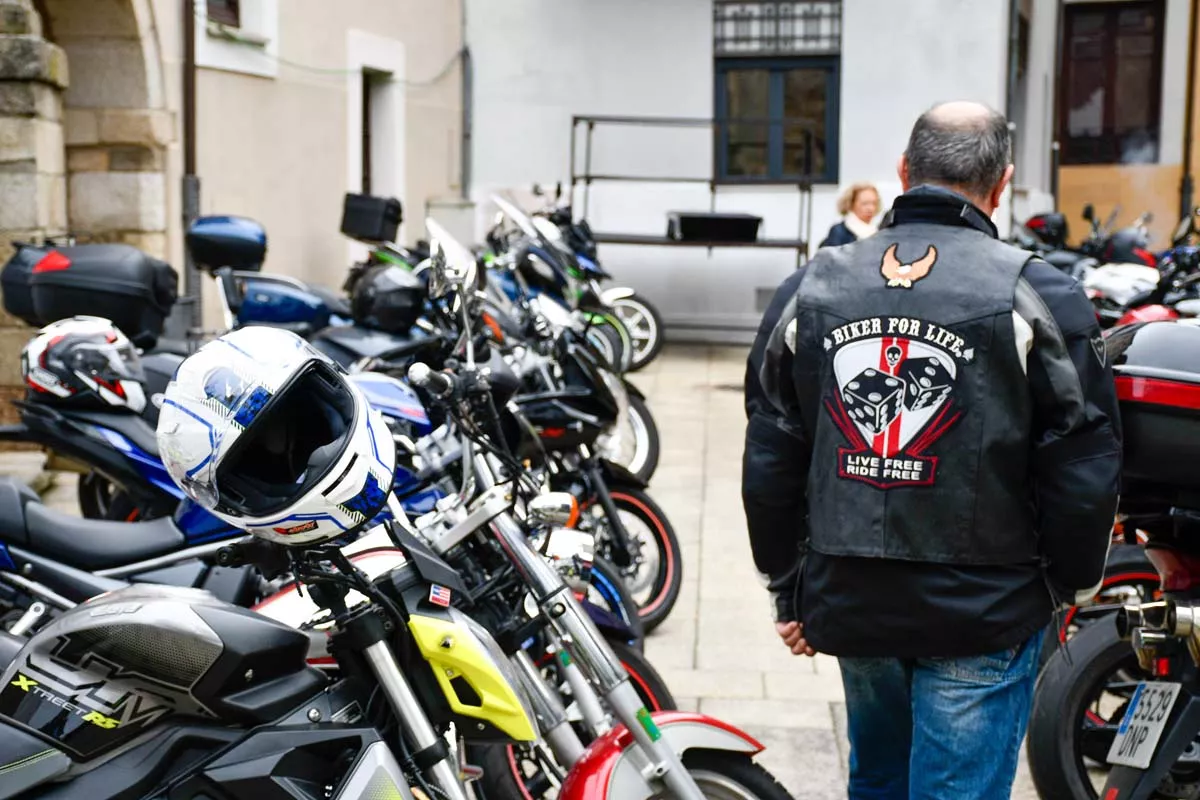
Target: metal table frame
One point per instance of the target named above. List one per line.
(586, 178)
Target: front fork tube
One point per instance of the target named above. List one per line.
(621, 550)
(548, 708)
(593, 714)
(589, 649)
(412, 716)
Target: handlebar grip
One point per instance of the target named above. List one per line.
(439, 384)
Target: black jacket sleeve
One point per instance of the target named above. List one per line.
(776, 457)
(1076, 447)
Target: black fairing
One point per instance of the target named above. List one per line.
(1165, 349)
(262, 669)
(279, 764)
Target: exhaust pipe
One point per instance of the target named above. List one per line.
(1141, 615)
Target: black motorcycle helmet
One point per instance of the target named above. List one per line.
(387, 298)
(1128, 246)
(1050, 228)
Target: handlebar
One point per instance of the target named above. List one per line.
(438, 384)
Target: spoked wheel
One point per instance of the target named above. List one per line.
(645, 328)
(1077, 709)
(635, 445)
(655, 575)
(523, 772)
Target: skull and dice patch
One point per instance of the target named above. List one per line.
(894, 397)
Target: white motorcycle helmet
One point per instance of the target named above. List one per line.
(266, 432)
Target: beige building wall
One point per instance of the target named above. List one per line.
(283, 149)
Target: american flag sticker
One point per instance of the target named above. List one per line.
(439, 596)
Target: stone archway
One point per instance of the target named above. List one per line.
(84, 131)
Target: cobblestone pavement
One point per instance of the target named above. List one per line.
(718, 651)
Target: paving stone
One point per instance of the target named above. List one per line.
(770, 713)
(710, 683)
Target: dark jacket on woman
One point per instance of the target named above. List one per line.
(839, 235)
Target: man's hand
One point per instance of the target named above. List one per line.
(792, 634)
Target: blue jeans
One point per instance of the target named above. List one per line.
(938, 728)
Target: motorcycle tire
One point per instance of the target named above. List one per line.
(719, 773)
(645, 430)
(1127, 566)
(1062, 702)
(608, 342)
(645, 326)
(503, 778)
(608, 591)
(656, 602)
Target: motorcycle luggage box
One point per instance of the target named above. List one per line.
(114, 281)
(1157, 368)
(14, 281)
(371, 219)
(225, 241)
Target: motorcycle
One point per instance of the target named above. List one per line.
(1109, 719)
(640, 317)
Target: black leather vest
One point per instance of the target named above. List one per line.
(911, 388)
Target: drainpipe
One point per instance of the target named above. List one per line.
(1187, 186)
(1055, 145)
(467, 91)
(191, 182)
(1010, 98)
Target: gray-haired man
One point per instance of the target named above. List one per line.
(931, 466)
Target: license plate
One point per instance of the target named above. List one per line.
(1143, 724)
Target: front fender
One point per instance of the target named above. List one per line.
(610, 769)
(632, 389)
(616, 293)
(615, 475)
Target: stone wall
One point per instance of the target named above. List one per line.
(33, 188)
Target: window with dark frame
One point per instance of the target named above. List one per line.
(776, 89)
(227, 12)
(1110, 85)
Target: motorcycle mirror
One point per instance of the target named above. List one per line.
(554, 508)
(452, 264)
(1148, 217)
(1089, 212)
(558, 191)
(537, 190)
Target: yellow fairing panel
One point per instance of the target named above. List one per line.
(453, 651)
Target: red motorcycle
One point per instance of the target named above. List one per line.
(1116, 721)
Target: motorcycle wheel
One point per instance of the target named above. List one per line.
(656, 574)
(512, 772)
(645, 327)
(1077, 708)
(100, 498)
(1128, 577)
(607, 590)
(639, 448)
(608, 341)
(721, 775)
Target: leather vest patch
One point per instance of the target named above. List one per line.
(894, 397)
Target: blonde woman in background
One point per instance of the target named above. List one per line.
(858, 206)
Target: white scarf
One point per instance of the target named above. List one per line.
(859, 228)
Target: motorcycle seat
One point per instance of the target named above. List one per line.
(133, 427)
(85, 544)
(27, 761)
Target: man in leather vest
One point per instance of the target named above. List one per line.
(931, 468)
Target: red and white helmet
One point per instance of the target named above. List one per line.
(84, 361)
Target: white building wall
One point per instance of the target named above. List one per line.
(538, 62)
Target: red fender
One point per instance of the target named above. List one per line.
(592, 775)
(1148, 314)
